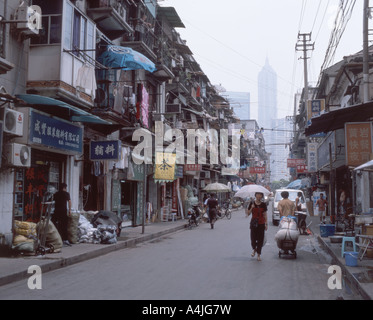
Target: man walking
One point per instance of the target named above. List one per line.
(60, 216)
(322, 204)
(213, 206)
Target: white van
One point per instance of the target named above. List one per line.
(293, 194)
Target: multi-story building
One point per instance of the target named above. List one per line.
(77, 87)
(335, 130)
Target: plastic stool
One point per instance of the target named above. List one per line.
(348, 239)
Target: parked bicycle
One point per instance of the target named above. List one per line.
(226, 211)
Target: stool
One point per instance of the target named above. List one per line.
(348, 239)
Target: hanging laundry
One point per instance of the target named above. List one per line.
(86, 78)
(145, 107)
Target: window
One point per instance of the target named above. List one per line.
(51, 22)
(79, 32)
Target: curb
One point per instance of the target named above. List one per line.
(348, 276)
(64, 262)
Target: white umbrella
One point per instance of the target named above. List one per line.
(217, 187)
(250, 190)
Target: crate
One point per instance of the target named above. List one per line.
(327, 230)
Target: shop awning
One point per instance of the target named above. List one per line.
(334, 120)
(366, 166)
(117, 57)
(61, 109)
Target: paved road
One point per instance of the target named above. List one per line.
(192, 264)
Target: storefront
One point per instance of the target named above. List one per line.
(49, 146)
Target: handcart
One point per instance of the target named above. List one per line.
(45, 217)
(287, 237)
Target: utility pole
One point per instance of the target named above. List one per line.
(304, 45)
(366, 17)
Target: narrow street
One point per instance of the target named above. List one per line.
(198, 264)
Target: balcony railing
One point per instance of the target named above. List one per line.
(112, 16)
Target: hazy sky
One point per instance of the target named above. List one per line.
(231, 40)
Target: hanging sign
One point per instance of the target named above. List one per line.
(105, 150)
(358, 143)
(165, 166)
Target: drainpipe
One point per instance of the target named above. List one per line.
(5, 36)
(366, 94)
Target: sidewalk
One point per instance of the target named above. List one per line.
(15, 269)
(360, 277)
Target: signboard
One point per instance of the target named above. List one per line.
(312, 156)
(115, 195)
(293, 163)
(358, 143)
(55, 133)
(104, 150)
(165, 166)
(302, 168)
(314, 109)
(258, 170)
(193, 167)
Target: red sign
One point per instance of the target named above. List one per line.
(258, 170)
(302, 168)
(358, 143)
(193, 167)
(293, 163)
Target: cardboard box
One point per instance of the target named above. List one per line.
(368, 230)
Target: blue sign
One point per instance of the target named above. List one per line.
(105, 150)
(55, 133)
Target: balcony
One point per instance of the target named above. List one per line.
(142, 40)
(111, 16)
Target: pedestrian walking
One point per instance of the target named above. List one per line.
(258, 223)
(286, 207)
(322, 204)
(213, 206)
(298, 203)
(62, 209)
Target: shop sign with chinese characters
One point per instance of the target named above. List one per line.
(312, 156)
(165, 166)
(257, 170)
(55, 133)
(293, 163)
(358, 143)
(105, 150)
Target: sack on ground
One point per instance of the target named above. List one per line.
(27, 229)
(52, 235)
(72, 227)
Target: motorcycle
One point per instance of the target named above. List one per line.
(194, 216)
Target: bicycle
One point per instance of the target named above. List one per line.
(226, 211)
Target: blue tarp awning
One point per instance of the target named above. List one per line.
(73, 114)
(124, 58)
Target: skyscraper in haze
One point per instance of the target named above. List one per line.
(267, 96)
(267, 110)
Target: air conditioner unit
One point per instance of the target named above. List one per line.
(173, 108)
(29, 18)
(18, 155)
(13, 121)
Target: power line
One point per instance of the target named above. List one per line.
(343, 17)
